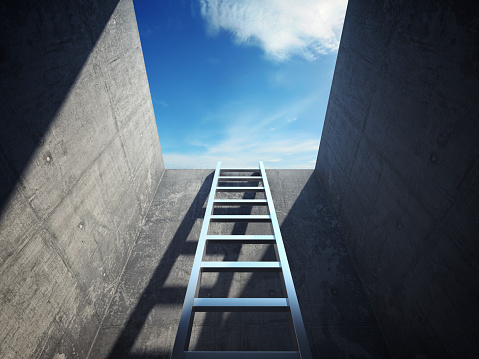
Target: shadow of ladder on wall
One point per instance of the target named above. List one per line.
(193, 303)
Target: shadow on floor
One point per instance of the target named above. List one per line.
(337, 316)
(154, 294)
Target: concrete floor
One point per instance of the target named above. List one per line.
(143, 316)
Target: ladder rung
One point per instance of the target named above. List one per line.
(241, 355)
(232, 169)
(288, 304)
(244, 239)
(240, 218)
(241, 304)
(240, 266)
(239, 178)
(240, 202)
(239, 189)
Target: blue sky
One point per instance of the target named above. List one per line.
(240, 81)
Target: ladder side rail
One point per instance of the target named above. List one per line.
(299, 329)
(182, 335)
(283, 287)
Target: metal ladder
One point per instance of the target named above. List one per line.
(194, 304)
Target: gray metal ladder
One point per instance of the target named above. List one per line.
(194, 304)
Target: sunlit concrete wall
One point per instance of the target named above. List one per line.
(399, 160)
(80, 161)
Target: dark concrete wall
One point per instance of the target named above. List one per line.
(80, 161)
(399, 161)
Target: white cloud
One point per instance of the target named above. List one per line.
(282, 28)
(291, 119)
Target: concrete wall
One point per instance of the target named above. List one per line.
(80, 161)
(399, 161)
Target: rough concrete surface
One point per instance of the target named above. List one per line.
(399, 161)
(142, 319)
(80, 161)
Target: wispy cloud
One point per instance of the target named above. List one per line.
(213, 60)
(249, 138)
(282, 28)
(283, 153)
(161, 103)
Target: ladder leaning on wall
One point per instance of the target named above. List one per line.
(193, 303)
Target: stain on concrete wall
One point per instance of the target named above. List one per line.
(80, 161)
(399, 161)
